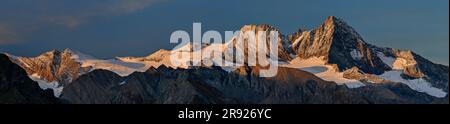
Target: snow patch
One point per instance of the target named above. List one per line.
(55, 86)
(419, 85)
(318, 67)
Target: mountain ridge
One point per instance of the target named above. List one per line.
(337, 52)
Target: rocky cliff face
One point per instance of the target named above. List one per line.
(17, 88)
(339, 44)
(52, 66)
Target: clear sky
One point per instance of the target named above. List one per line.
(110, 28)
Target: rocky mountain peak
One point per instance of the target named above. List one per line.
(158, 55)
(283, 55)
(55, 54)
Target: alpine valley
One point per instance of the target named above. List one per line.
(331, 64)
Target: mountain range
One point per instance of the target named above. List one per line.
(330, 64)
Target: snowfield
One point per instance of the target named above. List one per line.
(318, 67)
(355, 54)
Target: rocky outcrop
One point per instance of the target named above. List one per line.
(17, 88)
(415, 66)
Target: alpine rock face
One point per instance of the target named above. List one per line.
(339, 44)
(17, 88)
(339, 47)
(329, 64)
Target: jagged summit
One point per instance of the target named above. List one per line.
(283, 54)
(333, 51)
(333, 20)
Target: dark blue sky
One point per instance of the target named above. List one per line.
(111, 28)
